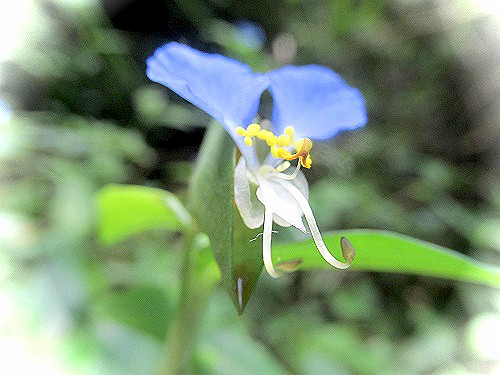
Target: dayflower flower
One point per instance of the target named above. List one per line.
(309, 103)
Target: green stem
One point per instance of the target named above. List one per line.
(199, 275)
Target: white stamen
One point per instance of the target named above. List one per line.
(289, 177)
(266, 244)
(283, 166)
(311, 221)
(260, 234)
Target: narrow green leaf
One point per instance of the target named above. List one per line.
(247, 261)
(384, 251)
(212, 203)
(125, 210)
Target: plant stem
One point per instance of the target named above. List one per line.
(199, 275)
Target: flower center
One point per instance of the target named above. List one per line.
(284, 146)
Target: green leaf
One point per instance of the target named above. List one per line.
(212, 203)
(145, 308)
(125, 210)
(384, 251)
(246, 261)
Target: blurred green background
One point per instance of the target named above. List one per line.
(77, 112)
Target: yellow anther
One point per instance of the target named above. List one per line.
(271, 140)
(302, 154)
(262, 134)
(297, 144)
(248, 141)
(297, 149)
(253, 129)
(284, 140)
(274, 151)
(284, 154)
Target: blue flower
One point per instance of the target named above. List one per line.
(309, 103)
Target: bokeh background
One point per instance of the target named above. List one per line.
(77, 112)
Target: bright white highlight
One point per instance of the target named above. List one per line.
(14, 17)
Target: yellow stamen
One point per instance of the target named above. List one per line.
(274, 151)
(241, 131)
(253, 129)
(271, 139)
(284, 154)
(297, 144)
(280, 145)
(262, 134)
(302, 154)
(284, 140)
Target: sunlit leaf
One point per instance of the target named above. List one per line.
(125, 210)
(384, 251)
(212, 202)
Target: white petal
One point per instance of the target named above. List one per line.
(280, 202)
(300, 182)
(250, 208)
(282, 223)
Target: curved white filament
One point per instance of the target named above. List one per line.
(289, 176)
(283, 166)
(311, 221)
(266, 244)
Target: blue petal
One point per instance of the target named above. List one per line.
(224, 88)
(315, 101)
